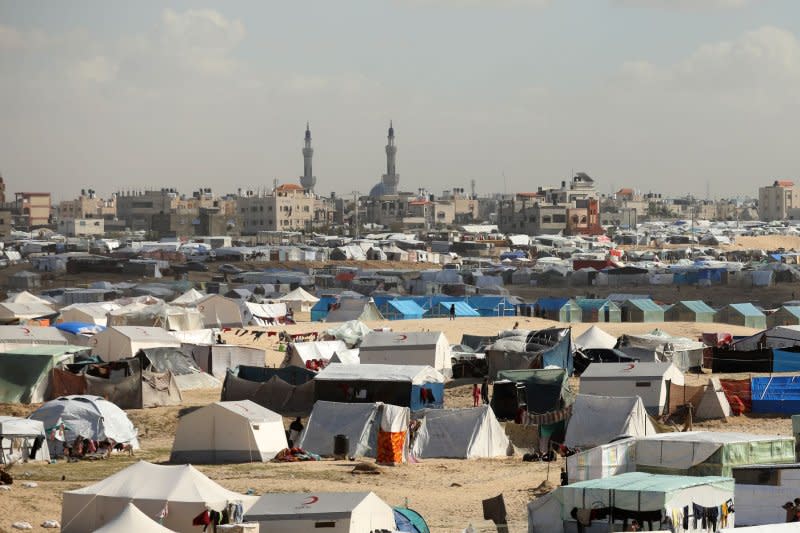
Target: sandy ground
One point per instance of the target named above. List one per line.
(448, 493)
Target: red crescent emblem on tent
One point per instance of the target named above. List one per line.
(27, 331)
(402, 337)
(630, 367)
(311, 500)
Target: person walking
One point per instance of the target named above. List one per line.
(452, 311)
(476, 395)
(485, 391)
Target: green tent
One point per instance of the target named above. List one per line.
(25, 370)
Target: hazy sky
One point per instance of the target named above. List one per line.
(663, 95)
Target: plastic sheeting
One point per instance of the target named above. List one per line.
(275, 394)
(359, 422)
(602, 461)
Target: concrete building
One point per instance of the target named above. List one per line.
(776, 200)
(87, 205)
(6, 218)
(288, 208)
(81, 227)
(33, 209)
(137, 208)
(308, 180)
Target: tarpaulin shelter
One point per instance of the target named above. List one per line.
(598, 420)
(120, 342)
(228, 432)
(689, 311)
(184, 369)
(401, 310)
(558, 309)
(25, 371)
(221, 357)
(531, 349)
(429, 348)
(346, 512)
(745, 314)
(699, 453)
(775, 394)
(351, 332)
(761, 491)
(641, 310)
(220, 312)
(647, 380)
(658, 346)
(273, 392)
(599, 310)
(264, 314)
(442, 309)
(189, 298)
(546, 390)
(467, 433)
(180, 493)
(90, 417)
(413, 386)
(18, 440)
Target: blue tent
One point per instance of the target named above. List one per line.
(401, 310)
(320, 309)
(776, 394)
(492, 305)
(80, 328)
(462, 309)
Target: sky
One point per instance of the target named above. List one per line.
(671, 96)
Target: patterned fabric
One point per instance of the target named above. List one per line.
(530, 419)
(390, 447)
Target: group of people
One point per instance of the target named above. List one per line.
(480, 394)
(792, 510)
(82, 447)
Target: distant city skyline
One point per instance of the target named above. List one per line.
(669, 96)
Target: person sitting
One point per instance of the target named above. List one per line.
(295, 429)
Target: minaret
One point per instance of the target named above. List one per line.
(307, 180)
(391, 178)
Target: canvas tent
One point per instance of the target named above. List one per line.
(264, 314)
(354, 309)
(91, 313)
(362, 423)
(228, 432)
(184, 369)
(299, 300)
(601, 461)
(120, 342)
(220, 312)
(699, 453)
(642, 496)
(132, 519)
(689, 311)
(188, 298)
(468, 433)
(20, 313)
(660, 346)
(26, 297)
(150, 487)
(301, 353)
(595, 338)
(25, 370)
(647, 380)
(745, 314)
(30, 335)
(220, 357)
(713, 403)
(91, 417)
(598, 420)
(18, 440)
(641, 310)
(345, 512)
(429, 348)
(401, 385)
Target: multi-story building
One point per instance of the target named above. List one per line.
(288, 208)
(6, 219)
(81, 227)
(87, 205)
(32, 209)
(776, 200)
(137, 208)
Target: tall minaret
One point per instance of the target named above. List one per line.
(391, 178)
(307, 180)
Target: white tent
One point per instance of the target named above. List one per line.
(595, 338)
(264, 314)
(182, 491)
(30, 335)
(598, 420)
(188, 298)
(25, 297)
(345, 512)
(429, 348)
(467, 433)
(220, 312)
(354, 309)
(299, 300)
(119, 342)
(132, 519)
(346, 357)
(21, 312)
(358, 421)
(89, 313)
(713, 404)
(225, 356)
(19, 435)
(91, 417)
(298, 353)
(660, 346)
(646, 380)
(350, 332)
(605, 460)
(229, 432)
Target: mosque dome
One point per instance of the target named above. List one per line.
(377, 191)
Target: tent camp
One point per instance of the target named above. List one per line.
(132, 519)
(119, 342)
(558, 309)
(413, 386)
(429, 348)
(595, 338)
(363, 425)
(184, 490)
(299, 300)
(90, 313)
(301, 353)
(598, 420)
(22, 439)
(345, 512)
(228, 432)
(643, 497)
(220, 312)
(468, 433)
(660, 346)
(264, 314)
(30, 335)
(699, 453)
(21, 313)
(598, 310)
(647, 380)
(91, 417)
(354, 309)
(25, 370)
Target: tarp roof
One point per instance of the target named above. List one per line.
(746, 309)
(406, 307)
(462, 308)
(643, 482)
(696, 306)
(645, 304)
(416, 374)
(298, 295)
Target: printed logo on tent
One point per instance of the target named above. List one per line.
(311, 500)
(401, 338)
(629, 367)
